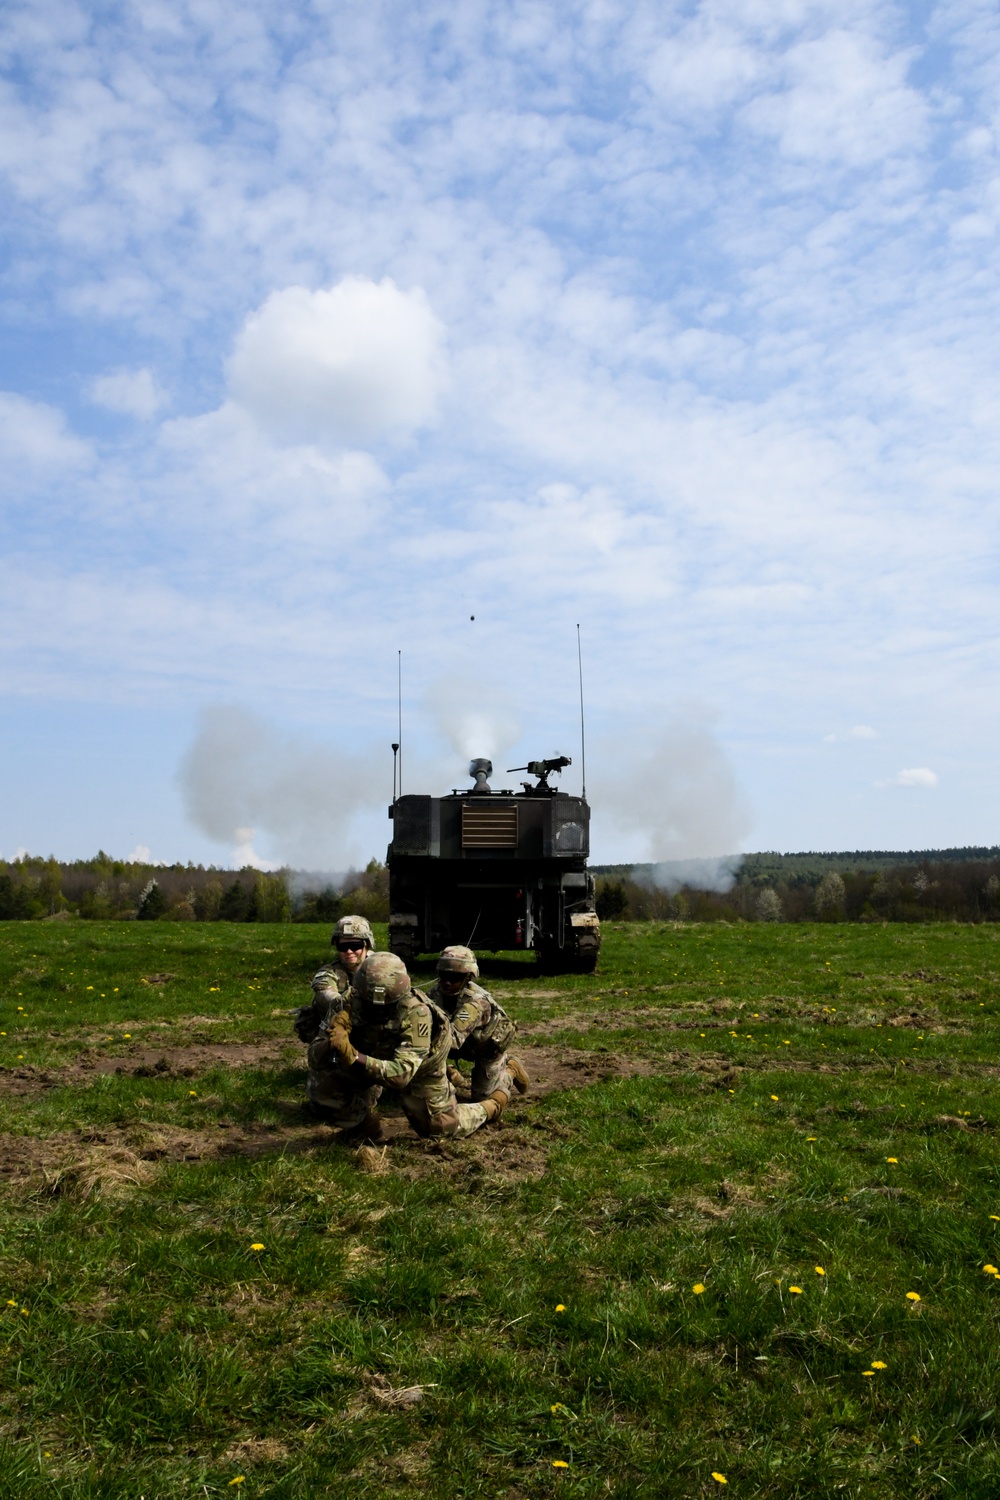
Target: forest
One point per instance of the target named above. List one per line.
(953, 885)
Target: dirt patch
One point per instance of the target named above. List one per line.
(87, 1163)
(251, 1451)
(150, 1062)
(553, 1068)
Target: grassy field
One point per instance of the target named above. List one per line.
(740, 1241)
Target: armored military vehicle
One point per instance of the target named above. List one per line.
(496, 870)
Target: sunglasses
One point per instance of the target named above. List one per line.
(350, 947)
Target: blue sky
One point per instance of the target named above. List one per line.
(328, 327)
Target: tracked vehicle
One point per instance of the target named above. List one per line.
(496, 870)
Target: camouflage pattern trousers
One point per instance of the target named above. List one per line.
(430, 1103)
(489, 1068)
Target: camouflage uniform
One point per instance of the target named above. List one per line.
(482, 1032)
(331, 984)
(403, 1047)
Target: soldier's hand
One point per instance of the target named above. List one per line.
(341, 1043)
(342, 1019)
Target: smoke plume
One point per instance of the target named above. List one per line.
(242, 778)
(681, 793)
(474, 718)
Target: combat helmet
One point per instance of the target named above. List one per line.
(382, 980)
(353, 927)
(457, 959)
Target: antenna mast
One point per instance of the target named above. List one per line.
(399, 719)
(583, 735)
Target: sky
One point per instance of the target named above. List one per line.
(347, 344)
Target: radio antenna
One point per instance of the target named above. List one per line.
(583, 733)
(398, 746)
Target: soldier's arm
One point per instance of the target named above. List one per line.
(399, 1070)
(473, 1011)
(326, 1002)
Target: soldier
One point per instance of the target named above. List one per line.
(482, 1029)
(390, 1035)
(353, 940)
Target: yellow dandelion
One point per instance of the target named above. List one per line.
(994, 1217)
(11, 1302)
(25, 1313)
(868, 1372)
(240, 1479)
(786, 1044)
(558, 1407)
(819, 1270)
(559, 1463)
(698, 1288)
(812, 1138)
(915, 1439)
(560, 1307)
(775, 1098)
(913, 1296)
(128, 1036)
(257, 1246)
(719, 1478)
(192, 1094)
(894, 1160)
(991, 1269)
(796, 1289)
(879, 1364)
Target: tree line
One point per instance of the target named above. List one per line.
(766, 890)
(106, 889)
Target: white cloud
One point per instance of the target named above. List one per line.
(140, 855)
(847, 101)
(350, 365)
(132, 392)
(917, 776)
(35, 443)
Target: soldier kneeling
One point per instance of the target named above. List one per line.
(390, 1035)
(482, 1029)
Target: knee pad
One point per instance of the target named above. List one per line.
(443, 1124)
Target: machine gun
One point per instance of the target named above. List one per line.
(543, 769)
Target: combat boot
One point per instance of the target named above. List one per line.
(515, 1068)
(495, 1104)
(371, 1129)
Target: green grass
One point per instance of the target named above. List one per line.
(156, 1341)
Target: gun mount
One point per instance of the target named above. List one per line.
(543, 769)
(498, 870)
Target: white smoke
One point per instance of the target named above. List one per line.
(242, 778)
(680, 793)
(475, 719)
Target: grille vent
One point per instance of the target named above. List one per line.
(489, 827)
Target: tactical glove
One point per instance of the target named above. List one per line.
(341, 1043)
